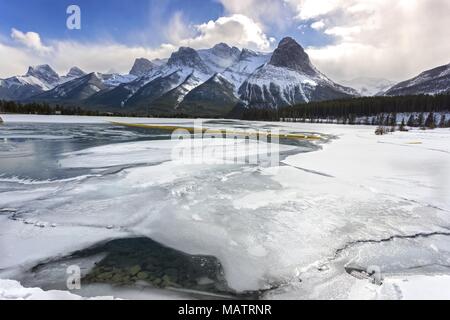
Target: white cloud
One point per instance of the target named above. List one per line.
(266, 12)
(376, 38)
(101, 57)
(177, 29)
(236, 30)
(310, 9)
(380, 38)
(14, 61)
(88, 56)
(318, 25)
(31, 40)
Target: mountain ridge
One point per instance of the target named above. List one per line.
(215, 81)
(432, 81)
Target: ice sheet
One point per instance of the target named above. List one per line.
(266, 225)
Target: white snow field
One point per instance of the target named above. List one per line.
(12, 290)
(360, 201)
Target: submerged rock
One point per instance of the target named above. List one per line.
(142, 261)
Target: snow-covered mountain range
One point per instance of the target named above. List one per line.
(367, 86)
(37, 80)
(208, 82)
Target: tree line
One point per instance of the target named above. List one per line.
(47, 109)
(416, 111)
(44, 108)
(423, 110)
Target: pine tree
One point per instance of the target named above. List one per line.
(393, 119)
(430, 122)
(420, 120)
(411, 121)
(443, 121)
(402, 126)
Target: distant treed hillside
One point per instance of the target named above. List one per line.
(348, 110)
(46, 109)
(414, 111)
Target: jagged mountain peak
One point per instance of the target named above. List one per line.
(288, 41)
(290, 54)
(141, 67)
(187, 57)
(247, 53)
(94, 75)
(184, 55)
(75, 72)
(40, 68)
(222, 46)
(217, 77)
(44, 73)
(224, 50)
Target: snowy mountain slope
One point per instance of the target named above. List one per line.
(289, 78)
(116, 79)
(369, 86)
(168, 102)
(74, 90)
(20, 87)
(247, 63)
(184, 71)
(142, 67)
(162, 88)
(73, 73)
(77, 86)
(274, 86)
(159, 62)
(45, 74)
(117, 96)
(219, 57)
(434, 81)
(37, 79)
(188, 58)
(212, 98)
(155, 89)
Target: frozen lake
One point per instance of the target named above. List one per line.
(309, 227)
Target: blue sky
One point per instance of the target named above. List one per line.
(344, 38)
(125, 21)
(116, 19)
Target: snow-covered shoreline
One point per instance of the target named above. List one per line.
(13, 290)
(420, 287)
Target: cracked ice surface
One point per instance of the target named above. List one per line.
(266, 225)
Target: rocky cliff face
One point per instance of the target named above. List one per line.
(44, 73)
(142, 67)
(289, 78)
(290, 55)
(187, 58)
